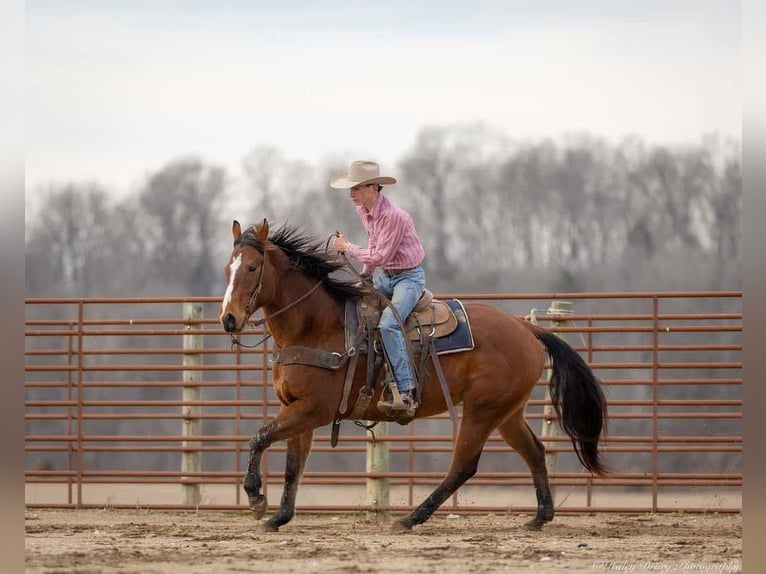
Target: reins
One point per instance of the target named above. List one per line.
(259, 322)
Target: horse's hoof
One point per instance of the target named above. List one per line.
(258, 506)
(269, 526)
(400, 527)
(534, 524)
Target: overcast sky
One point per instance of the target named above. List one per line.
(115, 89)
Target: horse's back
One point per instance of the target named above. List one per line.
(501, 337)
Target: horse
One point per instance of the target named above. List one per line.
(287, 275)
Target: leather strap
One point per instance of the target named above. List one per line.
(371, 354)
(299, 355)
(362, 402)
(392, 272)
(445, 389)
(426, 347)
(347, 384)
(334, 430)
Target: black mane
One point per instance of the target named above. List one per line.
(309, 255)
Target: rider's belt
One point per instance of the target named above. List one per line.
(392, 272)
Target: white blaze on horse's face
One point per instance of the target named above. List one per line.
(230, 287)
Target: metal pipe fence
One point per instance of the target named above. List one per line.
(120, 412)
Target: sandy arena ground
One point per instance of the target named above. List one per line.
(90, 541)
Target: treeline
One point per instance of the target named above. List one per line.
(579, 214)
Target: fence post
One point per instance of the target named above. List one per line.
(549, 429)
(377, 461)
(191, 456)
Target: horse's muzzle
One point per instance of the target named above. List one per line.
(229, 323)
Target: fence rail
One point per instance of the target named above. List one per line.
(142, 401)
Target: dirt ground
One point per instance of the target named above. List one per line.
(90, 541)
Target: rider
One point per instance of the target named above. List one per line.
(394, 246)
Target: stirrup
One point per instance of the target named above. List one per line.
(396, 406)
(395, 403)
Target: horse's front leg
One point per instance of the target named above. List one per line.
(295, 421)
(298, 449)
(258, 444)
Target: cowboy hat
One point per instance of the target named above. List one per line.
(360, 173)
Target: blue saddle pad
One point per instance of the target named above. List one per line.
(461, 339)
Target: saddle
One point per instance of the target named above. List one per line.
(429, 317)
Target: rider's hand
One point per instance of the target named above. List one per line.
(365, 281)
(340, 243)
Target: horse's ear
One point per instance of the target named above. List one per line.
(236, 231)
(263, 231)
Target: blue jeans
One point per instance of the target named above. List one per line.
(403, 289)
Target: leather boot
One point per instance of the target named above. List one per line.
(406, 405)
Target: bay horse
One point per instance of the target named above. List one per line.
(287, 276)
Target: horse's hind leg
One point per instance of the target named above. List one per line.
(465, 460)
(298, 449)
(516, 432)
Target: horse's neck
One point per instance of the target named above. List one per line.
(308, 321)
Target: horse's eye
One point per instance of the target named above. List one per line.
(252, 268)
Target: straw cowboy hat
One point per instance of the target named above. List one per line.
(361, 173)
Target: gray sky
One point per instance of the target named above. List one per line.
(115, 89)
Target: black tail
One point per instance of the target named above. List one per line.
(577, 398)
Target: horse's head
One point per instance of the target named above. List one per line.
(261, 267)
(246, 271)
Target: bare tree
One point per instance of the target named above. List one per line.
(261, 167)
(724, 208)
(181, 205)
(275, 184)
(68, 247)
(434, 171)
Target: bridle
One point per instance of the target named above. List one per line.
(255, 293)
(251, 302)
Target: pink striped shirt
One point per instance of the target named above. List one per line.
(393, 242)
